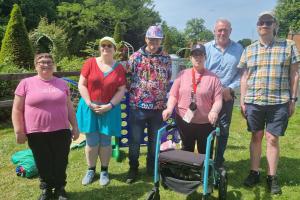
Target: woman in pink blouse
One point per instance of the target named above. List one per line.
(196, 95)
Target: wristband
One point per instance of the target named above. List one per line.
(112, 105)
(295, 99)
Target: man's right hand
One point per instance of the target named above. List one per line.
(243, 110)
(227, 96)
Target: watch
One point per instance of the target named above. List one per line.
(295, 99)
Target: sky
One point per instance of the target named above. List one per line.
(242, 14)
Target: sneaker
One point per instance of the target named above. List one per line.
(60, 194)
(273, 185)
(88, 178)
(104, 179)
(252, 179)
(46, 194)
(132, 175)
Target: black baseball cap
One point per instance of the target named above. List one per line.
(198, 48)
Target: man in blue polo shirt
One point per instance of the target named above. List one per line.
(223, 56)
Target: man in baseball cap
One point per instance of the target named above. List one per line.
(149, 74)
(269, 86)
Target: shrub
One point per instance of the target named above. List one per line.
(50, 38)
(70, 64)
(7, 88)
(16, 47)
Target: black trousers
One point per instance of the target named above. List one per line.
(190, 133)
(50, 151)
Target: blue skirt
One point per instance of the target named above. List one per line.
(108, 123)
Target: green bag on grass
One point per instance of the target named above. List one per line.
(25, 165)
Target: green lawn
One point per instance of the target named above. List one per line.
(237, 162)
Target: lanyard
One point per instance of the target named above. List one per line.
(195, 83)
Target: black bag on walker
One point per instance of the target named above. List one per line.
(181, 170)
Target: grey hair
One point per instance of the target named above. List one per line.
(222, 20)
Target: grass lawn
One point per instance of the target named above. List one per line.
(237, 161)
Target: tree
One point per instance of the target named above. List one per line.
(167, 43)
(32, 11)
(245, 42)
(93, 19)
(288, 15)
(50, 38)
(196, 31)
(118, 32)
(16, 47)
(175, 38)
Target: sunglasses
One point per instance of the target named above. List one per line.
(106, 45)
(267, 23)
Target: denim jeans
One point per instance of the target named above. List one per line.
(224, 123)
(139, 119)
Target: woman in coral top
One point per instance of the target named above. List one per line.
(196, 95)
(102, 87)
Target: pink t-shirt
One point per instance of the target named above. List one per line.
(45, 104)
(208, 91)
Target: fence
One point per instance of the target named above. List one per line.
(125, 126)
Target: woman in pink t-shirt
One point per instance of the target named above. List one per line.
(42, 113)
(196, 95)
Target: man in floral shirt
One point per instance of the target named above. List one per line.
(149, 74)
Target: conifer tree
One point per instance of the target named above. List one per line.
(117, 32)
(167, 43)
(16, 48)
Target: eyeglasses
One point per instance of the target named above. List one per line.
(45, 62)
(106, 45)
(267, 23)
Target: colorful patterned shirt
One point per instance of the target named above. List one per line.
(148, 79)
(268, 81)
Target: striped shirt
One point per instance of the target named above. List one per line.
(268, 81)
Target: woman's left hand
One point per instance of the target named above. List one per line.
(103, 108)
(212, 117)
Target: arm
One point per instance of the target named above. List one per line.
(18, 119)
(173, 98)
(236, 80)
(166, 114)
(214, 112)
(294, 81)
(72, 119)
(243, 90)
(117, 98)
(227, 92)
(82, 87)
(217, 104)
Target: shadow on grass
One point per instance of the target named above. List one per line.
(142, 176)
(234, 147)
(288, 174)
(137, 190)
